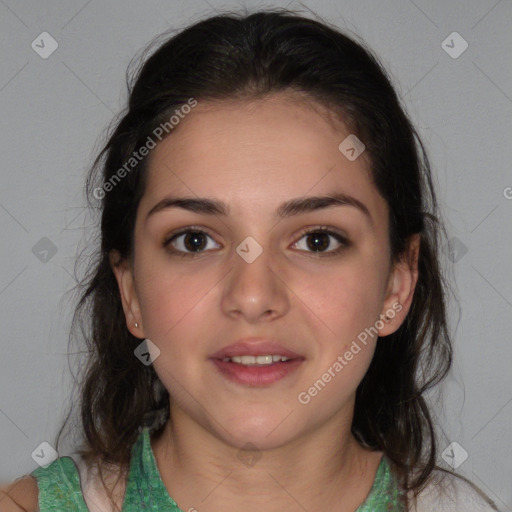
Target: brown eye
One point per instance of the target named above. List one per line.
(321, 241)
(190, 241)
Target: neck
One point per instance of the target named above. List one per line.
(204, 472)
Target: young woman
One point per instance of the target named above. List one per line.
(267, 310)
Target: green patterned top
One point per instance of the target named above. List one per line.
(60, 490)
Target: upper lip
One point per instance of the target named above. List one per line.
(255, 347)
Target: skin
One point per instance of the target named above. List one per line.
(255, 156)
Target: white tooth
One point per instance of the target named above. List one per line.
(248, 360)
(264, 359)
(256, 360)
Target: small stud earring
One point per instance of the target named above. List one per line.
(136, 324)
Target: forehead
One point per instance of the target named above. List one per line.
(258, 154)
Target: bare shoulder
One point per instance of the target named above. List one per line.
(449, 492)
(20, 495)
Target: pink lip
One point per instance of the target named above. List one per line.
(256, 375)
(255, 347)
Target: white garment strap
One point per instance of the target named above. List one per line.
(93, 491)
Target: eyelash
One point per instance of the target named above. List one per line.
(319, 254)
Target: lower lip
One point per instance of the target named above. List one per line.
(257, 375)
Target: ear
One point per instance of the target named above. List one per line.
(401, 286)
(123, 272)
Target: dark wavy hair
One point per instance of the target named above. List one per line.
(235, 56)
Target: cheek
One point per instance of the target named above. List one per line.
(174, 308)
(168, 298)
(346, 299)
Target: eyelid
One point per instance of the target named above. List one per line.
(183, 230)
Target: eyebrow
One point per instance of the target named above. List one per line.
(292, 207)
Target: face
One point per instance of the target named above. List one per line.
(261, 270)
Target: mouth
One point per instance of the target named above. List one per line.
(256, 362)
(266, 360)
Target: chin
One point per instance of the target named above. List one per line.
(264, 431)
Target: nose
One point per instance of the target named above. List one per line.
(255, 290)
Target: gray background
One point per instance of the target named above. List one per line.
(55, 110)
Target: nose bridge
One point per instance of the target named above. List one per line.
(254, 288)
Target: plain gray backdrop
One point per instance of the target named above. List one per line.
(55, 110)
